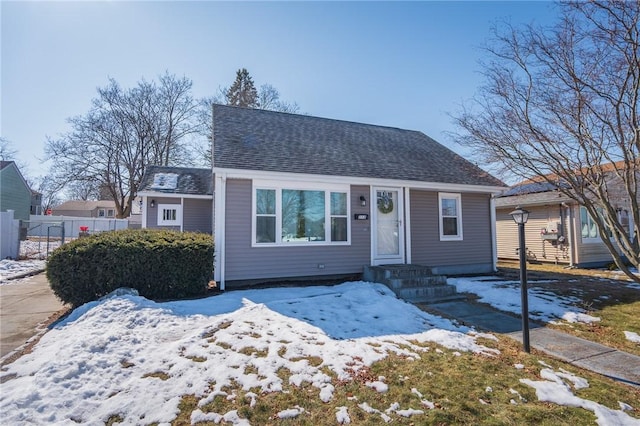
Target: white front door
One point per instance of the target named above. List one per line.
(387, 231)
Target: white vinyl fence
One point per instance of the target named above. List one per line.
(9, 236)
(69, 227)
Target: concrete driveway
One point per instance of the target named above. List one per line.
(26, 307)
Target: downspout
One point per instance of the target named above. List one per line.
(570, 228)
(182, 214)
(219, 223)
(144, 211)
(407, 224)
(494, 245)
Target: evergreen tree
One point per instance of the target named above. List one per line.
(243, 92)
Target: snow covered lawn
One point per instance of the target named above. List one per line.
(544, 305)
(10, 269)
(132, 360)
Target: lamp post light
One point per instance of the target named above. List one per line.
(520, 216)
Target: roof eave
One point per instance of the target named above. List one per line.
(355, 180)
(174, 195)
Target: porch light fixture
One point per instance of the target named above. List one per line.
(152, 204)
(363, 201)
(520, 216)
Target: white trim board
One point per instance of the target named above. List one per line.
(355, 180)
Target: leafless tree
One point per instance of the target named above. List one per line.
(83, 190)
(561, 104)
(125, 131)
(7, 152)
(269, 98)
(50, 191)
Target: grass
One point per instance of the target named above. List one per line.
(464, 388)
(602, 293)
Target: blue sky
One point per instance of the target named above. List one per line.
(400, 64)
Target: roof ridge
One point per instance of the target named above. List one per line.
(315, 117)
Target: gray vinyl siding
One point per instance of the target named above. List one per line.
(152, 212)
(540, 217)
(197, 215)
(14, 195)
(244, 262)
(473, 254)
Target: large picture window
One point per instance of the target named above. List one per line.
(284, 216)
(450, 216)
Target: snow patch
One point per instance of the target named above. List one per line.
(556, 391)
(632, 337)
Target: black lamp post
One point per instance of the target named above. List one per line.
(520, 216)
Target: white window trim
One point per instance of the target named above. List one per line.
(458, 198)
(306, 186)
(177, 208)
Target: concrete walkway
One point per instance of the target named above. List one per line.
(618, 365)
(26, 305)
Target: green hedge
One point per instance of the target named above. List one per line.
(159, 264)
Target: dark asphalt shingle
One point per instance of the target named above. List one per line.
(253, 139)
(190, 180)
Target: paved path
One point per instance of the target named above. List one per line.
(618, 365)
(25, 306)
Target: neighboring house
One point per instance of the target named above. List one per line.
(178, 198)
(559, 230)
(300, 196)
(103, 209)
(36, 203)
(15, 193)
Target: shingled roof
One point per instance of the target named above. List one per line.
(177, 180)
(253, 139)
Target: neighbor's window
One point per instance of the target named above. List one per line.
(169, 214)
(450, 215)
(588, 227)
(111, 213)
(101, 213)
(295, 216)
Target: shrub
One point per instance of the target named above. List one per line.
(158, 264)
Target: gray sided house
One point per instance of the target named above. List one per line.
(559, 230)
(15, 193)
(306, 197)
(178, 198)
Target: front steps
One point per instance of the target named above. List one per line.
(413, 283)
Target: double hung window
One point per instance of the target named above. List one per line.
(450, 216)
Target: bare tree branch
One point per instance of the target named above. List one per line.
(561, 103)
(125, 131)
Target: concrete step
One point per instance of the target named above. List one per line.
(423, 281)
(427, 294)
(384, 272)
(413, 283)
